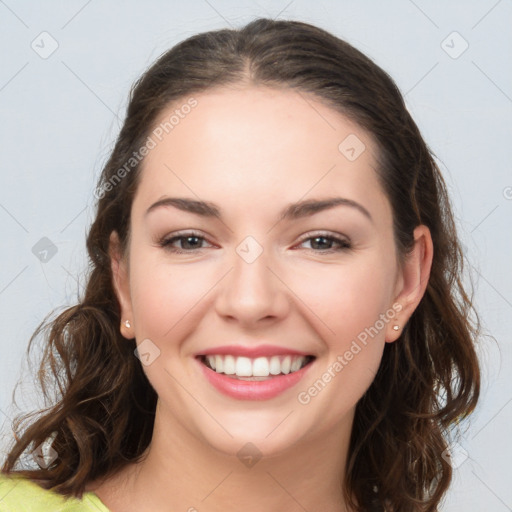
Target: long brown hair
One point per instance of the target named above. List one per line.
(428, 379)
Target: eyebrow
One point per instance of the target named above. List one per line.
(292, 211)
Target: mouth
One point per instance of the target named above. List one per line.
(253, 372)
(255, 369)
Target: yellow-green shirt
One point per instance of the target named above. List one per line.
(19, 494)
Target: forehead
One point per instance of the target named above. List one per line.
(259, 143)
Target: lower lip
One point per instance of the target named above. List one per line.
(250, 389)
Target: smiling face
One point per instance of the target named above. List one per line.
(253, 276)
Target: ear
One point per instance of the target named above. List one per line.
(121, 284)
(412, 281)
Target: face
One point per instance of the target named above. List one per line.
(299, 306)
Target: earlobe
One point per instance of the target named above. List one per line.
(121, 285)
(413, 279)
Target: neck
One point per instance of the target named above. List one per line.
(180, 472)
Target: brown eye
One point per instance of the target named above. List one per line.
(189, 242)
(324, 243)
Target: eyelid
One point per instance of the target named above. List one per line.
(326, 234)
(343, 241)
(184, 232)
(166, 240)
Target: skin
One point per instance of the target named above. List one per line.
(252, 151)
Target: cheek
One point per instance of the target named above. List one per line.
(166, 297)
(352, 306)
(346, 299)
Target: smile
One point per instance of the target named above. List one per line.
(257, 378)
(258, 368)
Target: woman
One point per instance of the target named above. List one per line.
(275, 238)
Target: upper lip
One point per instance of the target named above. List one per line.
(252, 351)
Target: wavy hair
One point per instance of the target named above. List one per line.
(102, 418)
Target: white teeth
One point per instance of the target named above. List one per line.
(243, 367)
(219, 363)
(275, 365)
(229, 365)
(258, 367)
(295, 366)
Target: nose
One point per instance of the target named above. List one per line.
(252, 293)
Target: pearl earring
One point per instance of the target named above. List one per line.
(396, 327)
(127, 324)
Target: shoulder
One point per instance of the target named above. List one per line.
(19, 494)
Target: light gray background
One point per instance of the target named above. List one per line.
(60, 116)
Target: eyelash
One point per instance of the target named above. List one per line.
(166, 242)
(343, 243)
